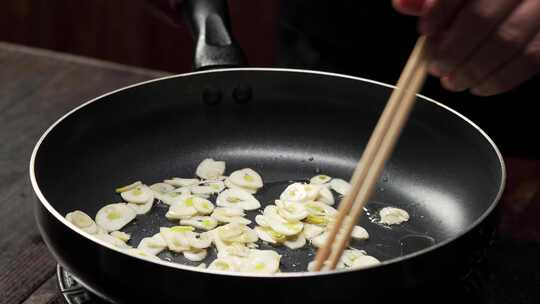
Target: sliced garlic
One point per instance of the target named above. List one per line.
(235, 232)
(153, 245)
(295, 242)
(340, 186)
(268, 235)
(216, 185)
(142, 208)
(141, 253)
(121, 235)
(312, 191)
(195, 255)
(246, 178)
(320, 179)
(232, 185)
(359, 233)
(210, 169)
(204, 190)
(294, 193)
(161, 188)
(114, 216)
(112, 240)
(182, 182)
(173, 197)
(349, 256)
(320, 240)
(82, 221)
(286, 228)
(318, 208)
(310, 231)
(176, 238)
(393, 216)
(222, 264)
(200, 222)
(138, 195)
(261, 261)
(365, 261)
(261, 221)
(128, 187)
(235, 198)
(291, 211)
(183, 209)
(230, 215)
(198, 240)
(326, 196)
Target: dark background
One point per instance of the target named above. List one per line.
(362, 38)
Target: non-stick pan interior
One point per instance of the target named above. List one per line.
(444, 171)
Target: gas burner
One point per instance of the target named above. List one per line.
(73, 292)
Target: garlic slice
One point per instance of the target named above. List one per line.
(210, 169)
(320, 179)
(359, 233)
(326, 196)
(235, 232)
(121, 235)
(230, 215)
(141, 253)
(138, 195)
(311, 231)
(183, 209)
(222, 264)
(295, 242)
(261, 261)
(176, 238)
(261, 221)
(142, 208)
(112, 240)
(286, 228)
(198, 240)
(268, 235)
(114, 216)
(205, 190)
(161, 188)
(182, 182)
(312, 191)
(128, 187)
(320, 240)
(82, 221)
(235, 198)
(291, 211)
(195, 255)
(203, 206)
(153, 245)
(365, 261)
(246, 178)
(340, 186)
(232, 185)
(393, 216)
(294, 193)
(173, 197)
(200, 222)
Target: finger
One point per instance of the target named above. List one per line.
(472, 25)
(514, 73)
(438, 15)
(409, 7)
(510, 38)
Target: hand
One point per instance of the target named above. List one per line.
(487, 46)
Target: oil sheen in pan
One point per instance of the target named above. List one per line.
(385, 242)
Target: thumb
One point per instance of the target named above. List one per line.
(410, 7)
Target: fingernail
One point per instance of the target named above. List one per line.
(437, 69)
(451, 85)
(480, 92)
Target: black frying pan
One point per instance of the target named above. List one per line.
(287, 125)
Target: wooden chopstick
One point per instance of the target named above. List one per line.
(377, 152)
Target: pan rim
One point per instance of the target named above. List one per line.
(62, 219)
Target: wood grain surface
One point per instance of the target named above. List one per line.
(36, 88)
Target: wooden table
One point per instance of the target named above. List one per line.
(37, 87)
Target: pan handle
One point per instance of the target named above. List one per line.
(215, 46)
